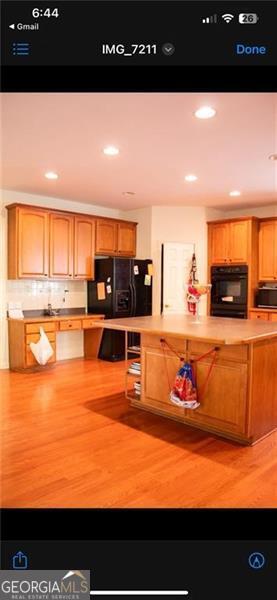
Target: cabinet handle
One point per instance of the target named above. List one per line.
(45, 274)
(69, 324)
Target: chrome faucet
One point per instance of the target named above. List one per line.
(52, 312)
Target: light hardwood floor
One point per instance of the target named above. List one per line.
(71, 440)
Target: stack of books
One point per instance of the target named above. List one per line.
(137, 388)
(134, 368)
(134, 348)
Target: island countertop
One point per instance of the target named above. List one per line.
(216, 330)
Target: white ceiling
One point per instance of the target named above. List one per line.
(160, 141)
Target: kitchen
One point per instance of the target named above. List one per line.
(61, 256)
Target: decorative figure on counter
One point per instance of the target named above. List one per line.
(195, 290)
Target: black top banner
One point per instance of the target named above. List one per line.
(176, 45)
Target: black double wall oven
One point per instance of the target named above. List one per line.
(229, 291)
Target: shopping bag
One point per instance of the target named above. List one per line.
(184, 392)
(42, 350)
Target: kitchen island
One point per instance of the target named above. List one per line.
(238, 395)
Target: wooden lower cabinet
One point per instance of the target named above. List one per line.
(263, 315)
(223, 403)
(159, 369)
(22, 334)
(260, 316)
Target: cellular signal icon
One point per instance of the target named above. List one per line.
(212, 19)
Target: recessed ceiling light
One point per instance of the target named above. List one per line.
(128, 193)
(111, 151)
(272, 157)
(190, 178)
(235, 193)
(205, 112)
(51, 175)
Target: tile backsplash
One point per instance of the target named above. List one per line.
(35, 295)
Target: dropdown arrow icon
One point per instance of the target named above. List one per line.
(168, 49)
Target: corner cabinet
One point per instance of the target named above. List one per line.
(115, 238)
(268, 250)
(230, 241)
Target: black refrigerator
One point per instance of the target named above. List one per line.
(122, 288)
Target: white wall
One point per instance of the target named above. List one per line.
(37, 294)
(258, 211)
(185, 224)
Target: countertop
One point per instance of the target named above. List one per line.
(47, 318)
(216, 330)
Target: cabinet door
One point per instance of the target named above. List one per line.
(268, 251)
(223, 404)
(238, 251)
(219, 243)
(61, 246)
(84, 243)
(158, 374)
(126, 239)
(106, 237)
(33, 240)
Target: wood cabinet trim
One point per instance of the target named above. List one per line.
(67, 212)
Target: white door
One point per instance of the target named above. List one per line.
(176, 269)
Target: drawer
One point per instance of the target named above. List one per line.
(67, 325)
(154, 341)
(88, 323)
(234, 353)
(34, 337)
(31, 361)
(34, 327)
(273, 316)
(262, 316)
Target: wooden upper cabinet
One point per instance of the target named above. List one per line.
(239, 236)
(61, 246)
(84, 244)
(229, 242)
(115, 238)
(268, 250)
(106, 236)
(219, 243)
(126, 239)
(27, 243)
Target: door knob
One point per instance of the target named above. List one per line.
(167, 305)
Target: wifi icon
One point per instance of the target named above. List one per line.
(227, 17)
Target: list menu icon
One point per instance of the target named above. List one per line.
(21, 49)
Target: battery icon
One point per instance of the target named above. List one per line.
(248, 18)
